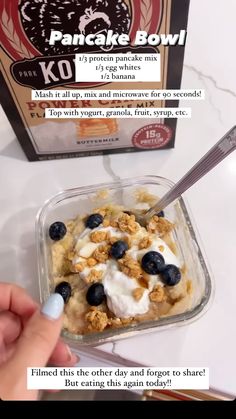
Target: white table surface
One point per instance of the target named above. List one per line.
(210, 64)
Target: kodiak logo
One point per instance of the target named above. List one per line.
(25, 28)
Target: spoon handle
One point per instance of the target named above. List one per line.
(215, 155)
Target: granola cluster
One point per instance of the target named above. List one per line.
(130, 267)
(98, 236)
(145, 243)
(138, 293)
(159, 225)
(127, 223)
(94, 276)
(97, 320)
(101, 254)
(158, 294)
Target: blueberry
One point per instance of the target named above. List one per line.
(57, 230)
(171, 275)
(64, 289)
(118, 249)
(95, 294)
(127, 212)
(152, 263)
(94, 221)
(161, 214)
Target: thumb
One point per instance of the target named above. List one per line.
(40, 334)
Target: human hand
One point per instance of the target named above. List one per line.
(28, 338)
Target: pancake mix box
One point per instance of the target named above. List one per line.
(29, 62)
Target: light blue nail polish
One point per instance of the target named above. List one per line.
(53, 307)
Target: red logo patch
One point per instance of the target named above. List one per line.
(152, 136)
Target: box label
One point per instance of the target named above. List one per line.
(29, 62)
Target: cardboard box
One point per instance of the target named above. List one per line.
(25, 27)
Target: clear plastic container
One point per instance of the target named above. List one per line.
(68, 204)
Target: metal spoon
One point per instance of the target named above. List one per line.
(215, 155)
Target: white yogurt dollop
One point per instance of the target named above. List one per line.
(119, 287)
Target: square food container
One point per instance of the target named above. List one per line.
(70, 203)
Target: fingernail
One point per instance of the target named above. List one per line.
(53, 307)
(76, 359)
(71, 356)
(69, 353)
